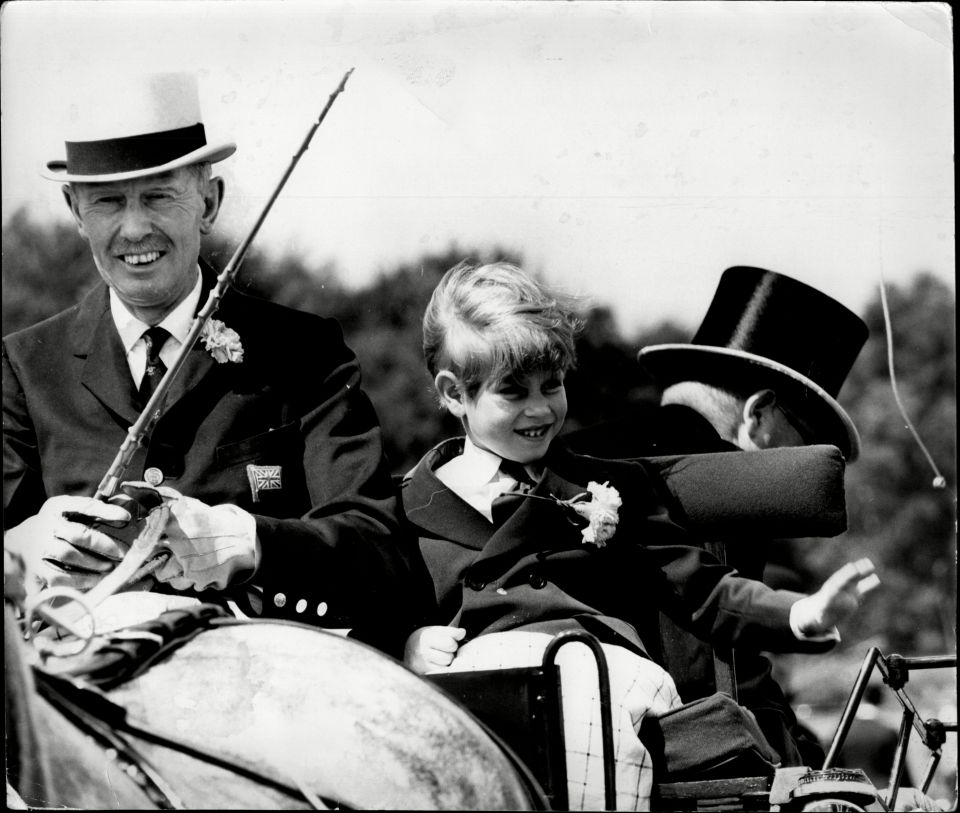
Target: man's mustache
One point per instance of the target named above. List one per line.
(140, 248)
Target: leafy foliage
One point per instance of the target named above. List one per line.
(44, 270)
(895, 516)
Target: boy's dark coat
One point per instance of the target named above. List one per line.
(534, 571)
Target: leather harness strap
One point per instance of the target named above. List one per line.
(129, 652)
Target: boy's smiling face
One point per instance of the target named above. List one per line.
(516, 418)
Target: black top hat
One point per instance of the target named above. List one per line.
(766, 329)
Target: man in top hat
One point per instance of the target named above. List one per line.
(764, 370)
(266, 447)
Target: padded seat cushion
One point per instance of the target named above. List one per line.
(787, 493)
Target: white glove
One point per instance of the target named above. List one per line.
(212, 546)
(837, 599)
(59, 547)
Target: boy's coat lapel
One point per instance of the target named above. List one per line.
(435, 509)
(440, 513)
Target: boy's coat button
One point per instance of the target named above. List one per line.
(536, 581)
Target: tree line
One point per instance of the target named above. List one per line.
(895, 515)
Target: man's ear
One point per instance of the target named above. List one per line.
(212, 198)
(451, 392)
(70, 196)
(756, 420)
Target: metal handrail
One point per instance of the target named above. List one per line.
(606, 714)
(895, 670)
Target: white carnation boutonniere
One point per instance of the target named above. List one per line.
(222, 342)
(599, 505)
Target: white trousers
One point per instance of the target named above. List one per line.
(638, 687)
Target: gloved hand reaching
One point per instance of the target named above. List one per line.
(72, 542)
(837, 599)
(212, 546)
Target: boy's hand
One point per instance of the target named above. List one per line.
(836, 600)
(429, 647)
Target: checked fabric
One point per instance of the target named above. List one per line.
(638, 688)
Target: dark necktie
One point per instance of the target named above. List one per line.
(519, 473)
(155, 338)
(508, 502)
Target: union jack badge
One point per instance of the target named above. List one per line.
(263, 478)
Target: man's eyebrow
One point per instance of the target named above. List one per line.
(166, 179)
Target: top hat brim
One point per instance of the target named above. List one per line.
(671, 363)
(57, 170)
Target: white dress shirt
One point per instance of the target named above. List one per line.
(177, 323)
(230, 520)
(475, 477)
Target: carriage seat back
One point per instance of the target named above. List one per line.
(787, 493)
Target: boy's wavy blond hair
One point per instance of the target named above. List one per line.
(487, 322)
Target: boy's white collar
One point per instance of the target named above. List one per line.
(476, 467)
(471, 471)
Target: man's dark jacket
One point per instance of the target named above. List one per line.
(674, 429)
(327, 521)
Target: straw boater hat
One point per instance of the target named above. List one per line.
(135, 126)
(764, 329)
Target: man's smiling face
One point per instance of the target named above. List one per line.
(144, 234)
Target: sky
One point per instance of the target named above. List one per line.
(628, 151)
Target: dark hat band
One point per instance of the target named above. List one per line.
(115, 155)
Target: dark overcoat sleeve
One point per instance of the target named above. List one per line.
(346, 554)
(691, 586)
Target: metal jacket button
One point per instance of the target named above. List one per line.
(153, 475)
